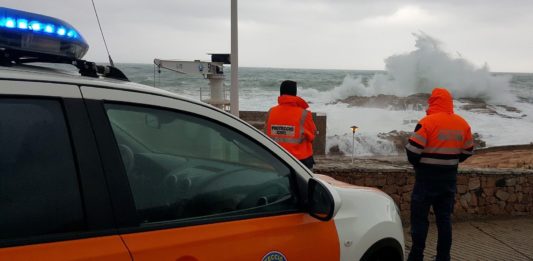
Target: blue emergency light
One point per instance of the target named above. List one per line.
(35, 33)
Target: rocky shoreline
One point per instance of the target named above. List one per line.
(418, 102)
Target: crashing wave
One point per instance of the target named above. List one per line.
(425, 68)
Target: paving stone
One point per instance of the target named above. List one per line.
(508, 239)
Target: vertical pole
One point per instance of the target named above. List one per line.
(234, 93)
(353, 145)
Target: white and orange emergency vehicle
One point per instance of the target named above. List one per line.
(94, 167)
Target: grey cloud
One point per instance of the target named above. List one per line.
(282, 33)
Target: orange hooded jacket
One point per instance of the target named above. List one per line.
(441, 140)
(291, 125)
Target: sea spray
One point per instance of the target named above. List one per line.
(361, 145)
(418, 71)
(425, 68)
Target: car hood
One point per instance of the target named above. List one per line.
(340, 184)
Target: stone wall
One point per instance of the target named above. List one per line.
(480, 193)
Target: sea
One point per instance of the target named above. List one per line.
(497, 105)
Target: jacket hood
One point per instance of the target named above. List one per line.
(440, 101)
(293, 101)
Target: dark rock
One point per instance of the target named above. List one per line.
(478, 142)
(335, 150)
(398, 138)
(412, 102)
(419, 102)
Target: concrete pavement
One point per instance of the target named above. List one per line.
(502, 239)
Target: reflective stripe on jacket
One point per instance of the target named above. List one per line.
(441, 140)
(291, 125)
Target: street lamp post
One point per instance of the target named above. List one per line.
(354, 128)
(234, 92)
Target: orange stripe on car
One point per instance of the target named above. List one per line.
(98, 248)
(296, 236)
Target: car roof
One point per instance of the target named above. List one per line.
(58, 75)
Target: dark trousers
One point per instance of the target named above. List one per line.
(441, 195)
(308, 162)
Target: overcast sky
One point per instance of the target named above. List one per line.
(322, 34)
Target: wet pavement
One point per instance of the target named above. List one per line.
(501, 239)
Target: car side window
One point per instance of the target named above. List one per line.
(39, 188)
(182, 166)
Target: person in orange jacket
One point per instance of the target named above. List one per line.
(441, 141)
(290, 124)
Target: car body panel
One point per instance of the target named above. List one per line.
(296, 236)
(49, 75)
(97, 248)
(367, 215)
(13, 87)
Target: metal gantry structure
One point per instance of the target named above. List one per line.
(214, 70)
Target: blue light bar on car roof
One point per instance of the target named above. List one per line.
(39, 33)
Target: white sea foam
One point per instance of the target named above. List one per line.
(425, 68)
(420, 71)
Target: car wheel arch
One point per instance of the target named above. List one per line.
(380, 250)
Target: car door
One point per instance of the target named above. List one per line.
(53, 201)
(202, 185)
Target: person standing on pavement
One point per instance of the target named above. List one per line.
(291, 124)
(441, 141)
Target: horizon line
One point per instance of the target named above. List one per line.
(333, 69)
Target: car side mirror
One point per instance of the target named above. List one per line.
(323, 199)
